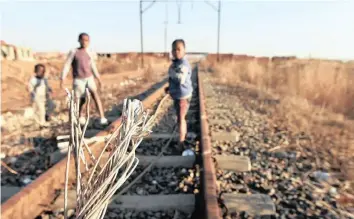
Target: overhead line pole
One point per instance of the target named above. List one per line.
(179, 5)
(219, 18)
(166, 24)
(141, 29)
(141, 35)
(217, 9)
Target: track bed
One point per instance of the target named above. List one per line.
(257, 174)
(171, 188)
(29, 154)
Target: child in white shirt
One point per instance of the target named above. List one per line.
(40, 94)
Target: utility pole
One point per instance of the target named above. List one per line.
(141, 35)
(217, 9)
(166, 24)
(141, 29)
(179, 5)
(219, 16)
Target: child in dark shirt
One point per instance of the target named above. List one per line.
(180, 86)
(82, 61)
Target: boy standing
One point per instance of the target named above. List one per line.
(84, 70)
(180, 86)
(40, 94)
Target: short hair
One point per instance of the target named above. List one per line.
(175, 42)
(82, 35)
(36, 67)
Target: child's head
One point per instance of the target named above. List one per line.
(84, 40)
(178, 49)
(39, 70)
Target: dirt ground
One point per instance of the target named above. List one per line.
(16, 74)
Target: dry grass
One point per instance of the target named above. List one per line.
(305, 96)
(329, 84)
(107, 66)
(127, 62)
(150, 74)
(112, 66)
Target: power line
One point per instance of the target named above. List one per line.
(179, 5)
(168, 0)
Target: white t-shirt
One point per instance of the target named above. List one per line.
(38, 87)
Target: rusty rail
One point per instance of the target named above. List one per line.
(34, 198)
(212, 210)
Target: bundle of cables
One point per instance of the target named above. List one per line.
(97, 183)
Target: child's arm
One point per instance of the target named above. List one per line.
(30, 89)
(186, 70)
(170, 77)
(67, 64)
(49, 89)
(32, 85)
(167, 89)
(183, 72)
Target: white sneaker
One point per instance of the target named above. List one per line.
(82, 121)
(103, 121)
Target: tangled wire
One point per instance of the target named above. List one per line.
(97, 183)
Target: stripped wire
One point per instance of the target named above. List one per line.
(95, 186)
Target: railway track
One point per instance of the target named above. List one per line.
(260, 168)
(229, 170)
(30, 151)
(165, 184)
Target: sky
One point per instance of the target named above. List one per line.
(321, 29)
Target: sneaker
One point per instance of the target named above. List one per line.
(180, 146)
(103, 121)
(184, 145)
(82, 121)
(188, 144)
(188, 152)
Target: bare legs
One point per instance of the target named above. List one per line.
(182, 129)
(182, 109)
(97, 101)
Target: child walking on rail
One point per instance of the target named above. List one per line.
(82, 61)
(180, 87)
(40, 95)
